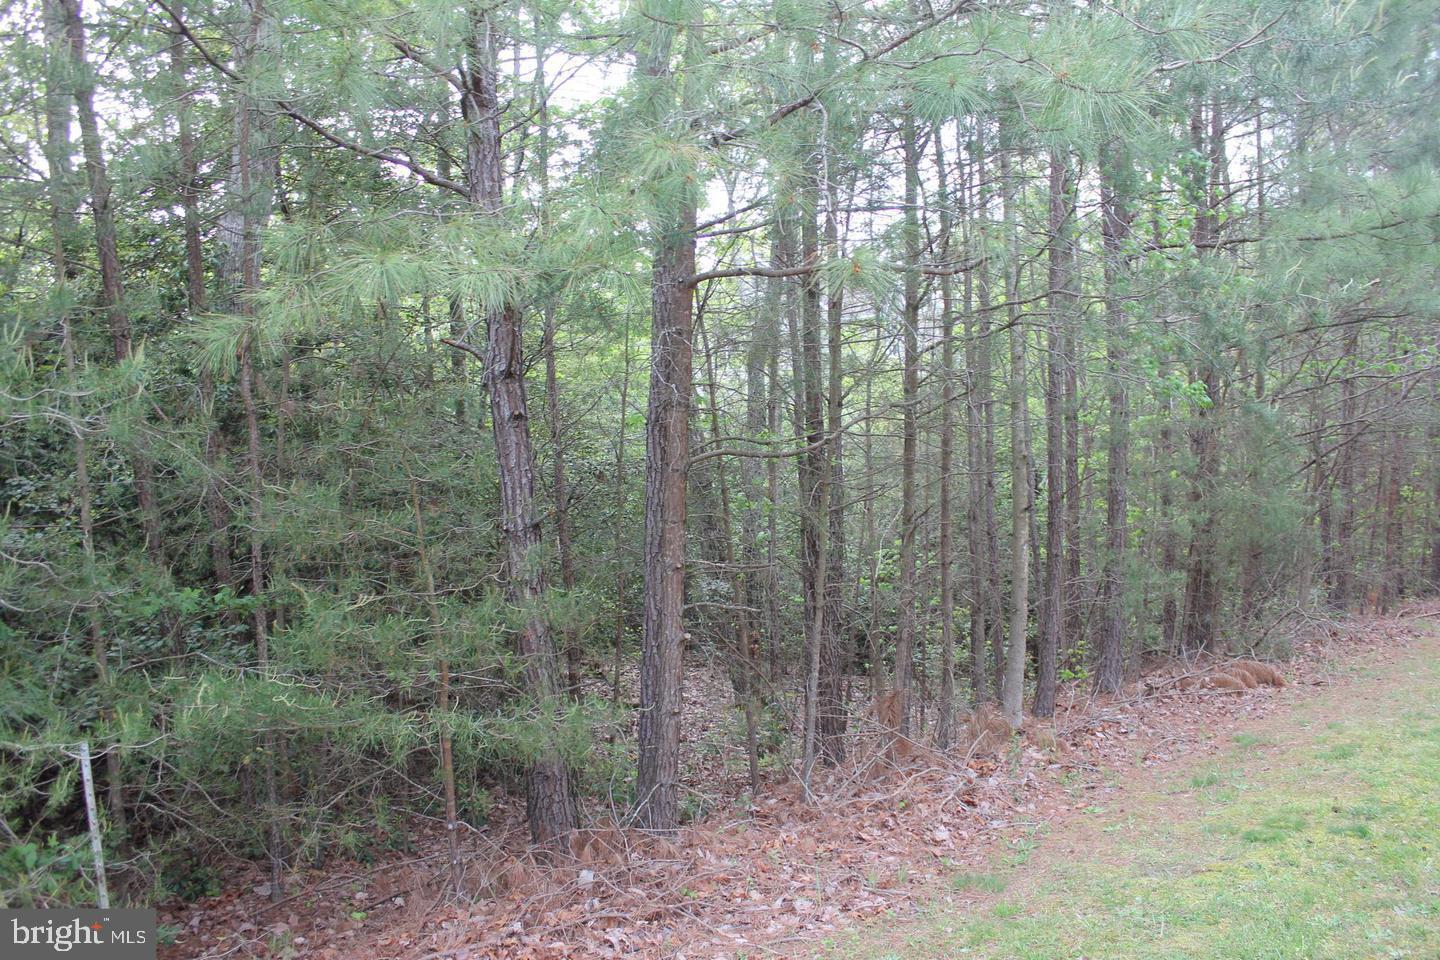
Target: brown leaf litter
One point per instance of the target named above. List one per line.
(876, 834)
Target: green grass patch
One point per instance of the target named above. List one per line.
(1341, 751)
(1210, 778)
(982, 882)
(1313, 859)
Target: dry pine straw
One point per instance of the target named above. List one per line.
(878, 836)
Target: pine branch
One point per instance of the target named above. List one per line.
(469, 348)
(291, 111)
(780, 113)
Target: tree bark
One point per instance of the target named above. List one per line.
(217, 511)
(814, 478)
(1115, 228)
(1052, 615)
(63, 203)
(622, 577)
(112, 288)
(945, 548)
(549, 800)
(1200, 624)
(560, 487)
(667, 452)
(910, 395)
(1013, 688)
(752, 582)
(833, 656)
(1343, 595)
(983, 536)
(442, 697)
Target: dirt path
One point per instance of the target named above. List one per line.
(1314, 834)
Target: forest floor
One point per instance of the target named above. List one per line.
(1315, 834)
(1163, 820)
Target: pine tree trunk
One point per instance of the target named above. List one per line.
(550, 799)
(1344, 592)
(814, 480)
(874, 654)
(980, 519)
(774, 663)
(945, 548)
(217, 511)
(752, 583)
(247, 210)
(1433, 437)
(1200, 626)
(1052, 614)
(442, 697)
(986, 627)
(666, 459)
(1115, 227)
(112, 289)
(63, 202)
(559, 473)
(1013, 687)
(560, 490)
(622, 578)
(1073, 608)
(1392, 573)
(667, 449)
(910, 395)
(833, 657)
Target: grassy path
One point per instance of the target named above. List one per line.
(1316, 835)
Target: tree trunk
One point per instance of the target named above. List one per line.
(1392, 572)
(872, 545)
(814, 479)
(550, 800)
(983, 535)
(63, 203)
(945, 721)
(833, 657)
(752, 584)
(1052, 615)
(1115, 228)
(1343, 594)
(442, 698)
(667, 451)
(666, 467)
(1432, 436)
(112, 289)
(560, 490)
(217, 511)
(559, 474)
(247, 210)
(910, 395)
(1202, 589)
(1013, 688)
(622, 577)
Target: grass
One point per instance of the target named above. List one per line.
(1330, 853)
(983, 882)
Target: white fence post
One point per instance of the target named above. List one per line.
(102, 893)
